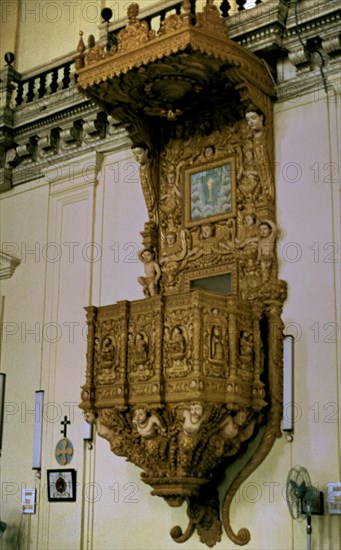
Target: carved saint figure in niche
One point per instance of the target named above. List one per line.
(256, 122)
(152, 272)
(107, 352)
(170, 200)
(266, 244)
(147, 426)
(248, 177)
(139, 367)
(193, 419)
(177, 343)
(216, 347)
(142, 156)
(140, 349)
(105, 360)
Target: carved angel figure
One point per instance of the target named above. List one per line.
(147, 427)
(193, 419)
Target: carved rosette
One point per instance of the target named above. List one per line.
(180, 382)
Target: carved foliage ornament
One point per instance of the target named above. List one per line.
(179, 382)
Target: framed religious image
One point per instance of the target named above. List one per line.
(61, 485)
(209, 192)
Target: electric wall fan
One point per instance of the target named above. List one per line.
(303, 499)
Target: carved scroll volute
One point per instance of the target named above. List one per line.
(88, 390)
(272, 429)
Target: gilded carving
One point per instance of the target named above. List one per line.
(135, 33)
(180, 381)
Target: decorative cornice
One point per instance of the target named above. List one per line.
(8, 265)
(179, 40)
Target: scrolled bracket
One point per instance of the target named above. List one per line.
(203, 513)
(243, 536)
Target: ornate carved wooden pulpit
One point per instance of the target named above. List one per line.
(181, 381)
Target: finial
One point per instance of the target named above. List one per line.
(81, 45)
(106, 14)
(9, 57)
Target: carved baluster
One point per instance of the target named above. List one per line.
(30, 90)
(66, 78)
(20, 93)
(193, 7)
(54, 81)
(79, 58)
(241, 4)
(42, 85)
(225, 7)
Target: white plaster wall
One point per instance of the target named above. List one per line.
(307, 148)
(23, 234)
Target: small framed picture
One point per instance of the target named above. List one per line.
(209, 192)
(61, 485)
